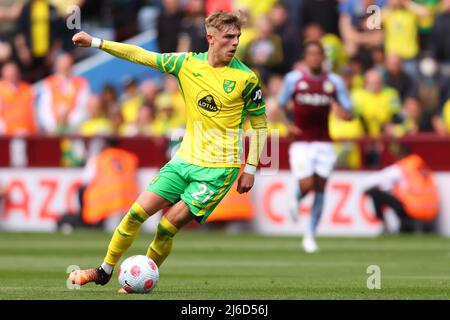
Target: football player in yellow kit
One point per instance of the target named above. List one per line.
(219, 91)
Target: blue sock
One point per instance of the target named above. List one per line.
(316, 211)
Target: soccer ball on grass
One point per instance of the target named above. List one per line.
(138, 274)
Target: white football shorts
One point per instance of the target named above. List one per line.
(309, 158)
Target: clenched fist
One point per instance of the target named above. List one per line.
(245, 182)
(82, 39)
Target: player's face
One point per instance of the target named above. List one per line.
(225, 42)
(314, 58)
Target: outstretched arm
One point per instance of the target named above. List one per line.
(124, 51)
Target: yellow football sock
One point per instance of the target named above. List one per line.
(125, 233)
(161, 245)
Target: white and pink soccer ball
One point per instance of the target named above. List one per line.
(138, 274)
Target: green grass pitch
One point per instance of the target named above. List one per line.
(218, 265)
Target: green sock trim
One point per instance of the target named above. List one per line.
(153, 250)
(165, 231)
(123, 234)
(135, 216)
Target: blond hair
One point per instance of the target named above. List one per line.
(219, 19)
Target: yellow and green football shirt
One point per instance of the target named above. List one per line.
(217, 101)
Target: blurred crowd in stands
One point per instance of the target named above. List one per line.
(394, 56)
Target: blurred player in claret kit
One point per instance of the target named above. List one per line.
(314, 93)
(219, 91)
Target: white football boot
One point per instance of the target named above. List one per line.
(309, 243)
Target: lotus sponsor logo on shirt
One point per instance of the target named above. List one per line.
(208, 104)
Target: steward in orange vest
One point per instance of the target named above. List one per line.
(16, 103)
(409, 188)
(113, 188)
(417, 190)
(62, 105)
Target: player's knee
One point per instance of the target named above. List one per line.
(319, 183)
(179, 215)
(306, 185)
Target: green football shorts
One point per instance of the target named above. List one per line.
(201, 188)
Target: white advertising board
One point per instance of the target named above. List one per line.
(38, 196)
(347, 211)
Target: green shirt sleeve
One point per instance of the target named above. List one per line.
(252, 95)
(170, 62)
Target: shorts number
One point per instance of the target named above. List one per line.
(203, 188)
